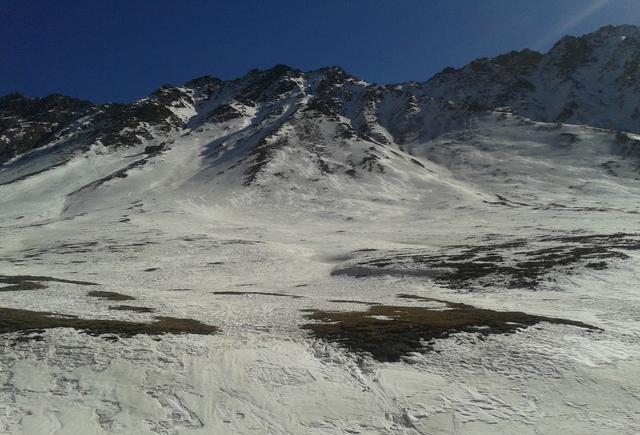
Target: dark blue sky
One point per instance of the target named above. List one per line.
(120, 50)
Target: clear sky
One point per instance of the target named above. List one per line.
(120, 50)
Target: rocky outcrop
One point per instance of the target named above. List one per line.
(30, 123)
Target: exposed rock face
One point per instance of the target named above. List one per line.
(165, 110)
(593, 79)
(29, 123)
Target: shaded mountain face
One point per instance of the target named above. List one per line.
(593, 80)
(26, 123)
(276, 123)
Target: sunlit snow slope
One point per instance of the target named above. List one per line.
(307, 253)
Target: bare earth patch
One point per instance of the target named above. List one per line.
(387, 333)
(232, 293)
(132, 308)
(112, 296)
(24, 321)
(33, 282)
(514, 264)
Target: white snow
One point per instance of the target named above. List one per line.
(182, 227)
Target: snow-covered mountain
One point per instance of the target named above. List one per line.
(333, 121)
(307, 253)
(592, 79)
(277, 130)
(281, 123)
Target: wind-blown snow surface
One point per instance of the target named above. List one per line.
(181, 240)
(248, 212)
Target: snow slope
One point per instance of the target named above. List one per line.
(251, 204)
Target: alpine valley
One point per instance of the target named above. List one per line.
(299, 252)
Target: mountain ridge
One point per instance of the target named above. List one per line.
(280, 124)
(592, 79)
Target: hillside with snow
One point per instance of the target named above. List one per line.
(299, 252)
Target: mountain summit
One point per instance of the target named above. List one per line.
(592, 79)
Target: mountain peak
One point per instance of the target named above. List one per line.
(606, 38)
(279, 69)
(613, 30)
(592, 79)
(335, 73)
(602, 35)
(203, 81)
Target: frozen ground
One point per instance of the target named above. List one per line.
(253, 262)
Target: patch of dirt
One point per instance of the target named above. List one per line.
(132, 308)
(351, 301)
(112, 296)
(387, 333)
(33, 282)
(257, 293)
(29, 322)
(514, 264)
(65, 248)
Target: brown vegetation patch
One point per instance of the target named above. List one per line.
(389, 332)
(112, 296)
(132, 308)
(352, 301)
(24, 321)
(33, 282)
(256, 293)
